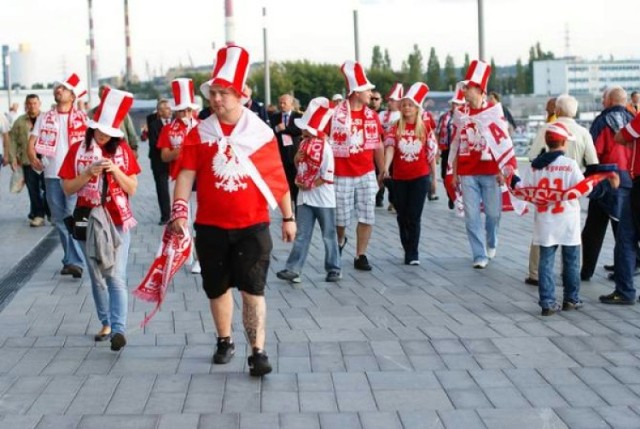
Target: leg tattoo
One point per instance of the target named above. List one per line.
(253, 318)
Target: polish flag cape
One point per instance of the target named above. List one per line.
(174, 250)
(253, 144)
(544, 196)
(494, 128)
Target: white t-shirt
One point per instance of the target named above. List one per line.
(324, 195)
(4, 128)
(52, 164)
(557, 223)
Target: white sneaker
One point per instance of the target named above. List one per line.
(482, 263)
(195, 268)
(491, 252)
(414, 262)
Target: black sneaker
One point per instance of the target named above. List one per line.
(333, 276)
(551, 310)
(609, 267)
(616, 299)
(361, 263)
(289, 276)
(118, 341)
(225, 349)
(570, 305)
(259, 364)
(532, 282)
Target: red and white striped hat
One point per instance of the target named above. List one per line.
(74, 84)
(417, 93)
(556, 131)
(396, 93)
(114, 106)
(458, 95)
(316, 116)
(230, 70)
(183, 97)
(478, 75)
(357, 81)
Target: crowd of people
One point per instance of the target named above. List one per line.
(219, 170)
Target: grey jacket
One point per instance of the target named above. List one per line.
(103, 240)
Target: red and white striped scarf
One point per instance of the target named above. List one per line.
(312, 150)
(543, 196)
(50, 128)
(342, 139)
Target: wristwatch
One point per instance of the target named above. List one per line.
(289, 219)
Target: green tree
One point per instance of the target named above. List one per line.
(37, 86)
(450, 75)
(387, 60)
(377, 61)
(433, 70)
(415, 68)
(521, 78)
(465, 66)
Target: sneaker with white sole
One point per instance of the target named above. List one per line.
(289, 276)
(414, 262)
(480, 264)
(195, 268)
(491, 252)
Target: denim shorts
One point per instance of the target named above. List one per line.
(233, 258)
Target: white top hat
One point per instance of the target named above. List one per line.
(74, 84)
(183, 97)
(478, 75)
(316, 116)
(417, 93)
(230, 70)
(356, 79)
(396, 93)
(336, 97)
(114, 106)
(458, 95)
(559, 132)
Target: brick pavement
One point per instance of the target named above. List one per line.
(435, 346)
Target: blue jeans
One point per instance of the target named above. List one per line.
(306, 218)
(62, 206)
(624, 253)
(110, 293)
(570, 274)
(475, 190)
(409, 203)
(37, 194)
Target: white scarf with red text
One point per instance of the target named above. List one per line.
(344, 139)
(312, 151)
(50, 128)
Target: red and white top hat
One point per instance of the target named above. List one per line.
(316, 116)
(396, 93)
(74, 84)
(114, 106)
(230, 70)
(417, 93)
(556, 131)
(357, 81)
(458, 95)
(478, 75)
(183, 97)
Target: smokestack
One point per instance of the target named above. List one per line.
(5, 66)
(127, 41)
(93, 67)
(229, 26)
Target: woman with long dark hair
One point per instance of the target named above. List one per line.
(102, 171)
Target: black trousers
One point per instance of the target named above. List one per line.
(37, 193)
(595, 228)
(290, 171)
(160, 171)
(444, 157)
(409, 203)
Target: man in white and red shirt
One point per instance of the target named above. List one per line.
(234, 157)
(52, 135)
(475, 168)
(444, 133)
(355, 136)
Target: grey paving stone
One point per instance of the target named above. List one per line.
(461, 419)
(342, 420)
(581, 418)
(280, 383)
(316, 382)
(525, 377)
(203, 402)
(455, 379)
(615, 394)
(471, 397)
(58, 422)
(280, 402)
(543, 396)
(19, 422)
(377, 420)
(520, 418)
(219, 421)
(506, 397)
(361, 400)
(119, 421)
(355, 348)
(182, 421)
(131, 395)
(163, 402)
(580, 396)
(317, 402)
(343, 381)
(619, 416)
(361, 363)
(595, 376)
(299, 421)
(402, 381)
(412, 400)
(425, 419)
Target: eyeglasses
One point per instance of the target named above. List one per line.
(375, 98)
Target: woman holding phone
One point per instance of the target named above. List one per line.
(102, 170)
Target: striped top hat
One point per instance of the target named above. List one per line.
(417, 93)
(114, 106)
(396, 93)
(230, 70)
(316, 116)
(478, 75)
(458, 95)
(558, 132)
(357, 81)
(74, 84)
(183, 97)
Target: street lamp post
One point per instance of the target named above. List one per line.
(356, 37)
(267, 75)
(8, 82)
(481, 30)
(89, 77)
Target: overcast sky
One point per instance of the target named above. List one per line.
(165, 34)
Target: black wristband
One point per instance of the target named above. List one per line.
(289, 219)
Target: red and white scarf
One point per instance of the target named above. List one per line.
(344, 141)
(173, 252)
(178, 130)
(50, 128)
(312, 150)
(92, 190)
(543, 196)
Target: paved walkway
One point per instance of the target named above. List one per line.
(435, 346)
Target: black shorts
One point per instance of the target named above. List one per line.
(233, 258)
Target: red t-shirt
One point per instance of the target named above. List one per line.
(410, 157)
(226, 199)
(172, 136)
(129, 166)
(474, 157)
(361, 163)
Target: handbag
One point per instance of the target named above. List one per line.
(80, 218)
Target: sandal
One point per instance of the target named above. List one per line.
(104, 334)
(341, 246)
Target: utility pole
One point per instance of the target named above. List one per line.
(481, 53)
(267, 76)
